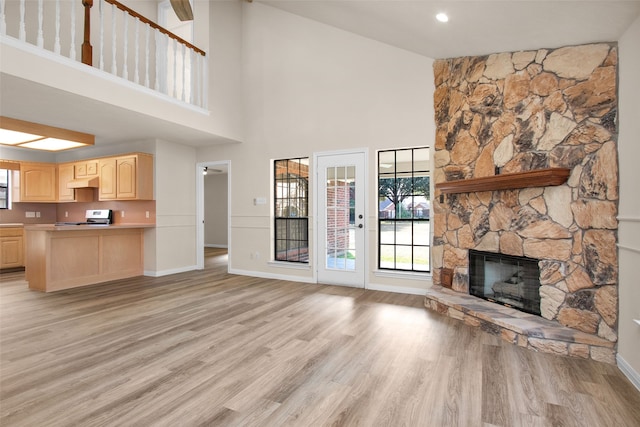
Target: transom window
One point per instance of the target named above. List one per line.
(403, 209)
(291, 205)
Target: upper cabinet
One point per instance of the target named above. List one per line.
(127, 177)
(38, 182)
(66, 174)
(86, 168)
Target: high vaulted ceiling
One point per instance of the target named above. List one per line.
(475, 27)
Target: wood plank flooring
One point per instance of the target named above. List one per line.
(212, 349)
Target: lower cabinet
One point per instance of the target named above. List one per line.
(61, 259)
(11, 247)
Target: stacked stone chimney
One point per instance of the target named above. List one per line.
(513, 112)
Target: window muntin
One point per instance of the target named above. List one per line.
(403, 209)
(291, 205)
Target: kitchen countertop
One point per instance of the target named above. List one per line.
(53, 227)
(14, 224)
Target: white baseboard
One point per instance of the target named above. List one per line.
(628, 371)
(396, 289)
(264, 275)
(214, 245)
(161, 273)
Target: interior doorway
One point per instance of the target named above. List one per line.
(213, 213)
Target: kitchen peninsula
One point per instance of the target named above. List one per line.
(67, 256)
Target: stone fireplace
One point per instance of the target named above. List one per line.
(513, 112)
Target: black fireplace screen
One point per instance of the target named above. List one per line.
(505, 279)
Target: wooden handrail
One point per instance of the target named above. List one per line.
(154, 25)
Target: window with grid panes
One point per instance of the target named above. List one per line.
(291, 204)
(403, 209)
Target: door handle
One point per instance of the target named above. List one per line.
(360, 225)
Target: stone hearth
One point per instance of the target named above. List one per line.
(517, 327)
(523, 111)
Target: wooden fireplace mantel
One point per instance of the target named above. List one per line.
(507, 181)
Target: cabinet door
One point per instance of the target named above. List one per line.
(126, 177)
(108, 183)
(38, 182)
(81, 170)
(92, 168)
(65, 175)
(11, 252)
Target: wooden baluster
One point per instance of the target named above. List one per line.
(72, 46)
(56, 45)
(125, 54)
(136, 75)
(87, 49)
(3, 19)
(114, 69)
(40, 39)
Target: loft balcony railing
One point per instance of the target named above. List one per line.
(114, 38)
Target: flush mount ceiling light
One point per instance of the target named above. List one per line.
(442, 17)
(20, 133)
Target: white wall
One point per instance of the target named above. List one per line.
(215, 210)
(629, 210)
(225, 68)
(308, 88)
(173, 240)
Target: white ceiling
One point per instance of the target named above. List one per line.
(475, 27)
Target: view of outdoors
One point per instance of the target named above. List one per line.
(403, 209)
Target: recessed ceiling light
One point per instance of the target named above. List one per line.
(442, 17)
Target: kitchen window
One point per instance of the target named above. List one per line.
(4, 189)
(291, 206)
(403, 209)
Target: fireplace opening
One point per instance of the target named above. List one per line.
(504, 279)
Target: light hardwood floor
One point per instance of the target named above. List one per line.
(212, 349)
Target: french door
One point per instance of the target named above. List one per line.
(341, 228)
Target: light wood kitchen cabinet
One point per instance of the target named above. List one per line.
(67, 257)
(38, 182)
(66, 174)
(126, 178)
(11, 247)
(86, 169)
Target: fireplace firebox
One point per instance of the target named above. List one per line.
(504, 279)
